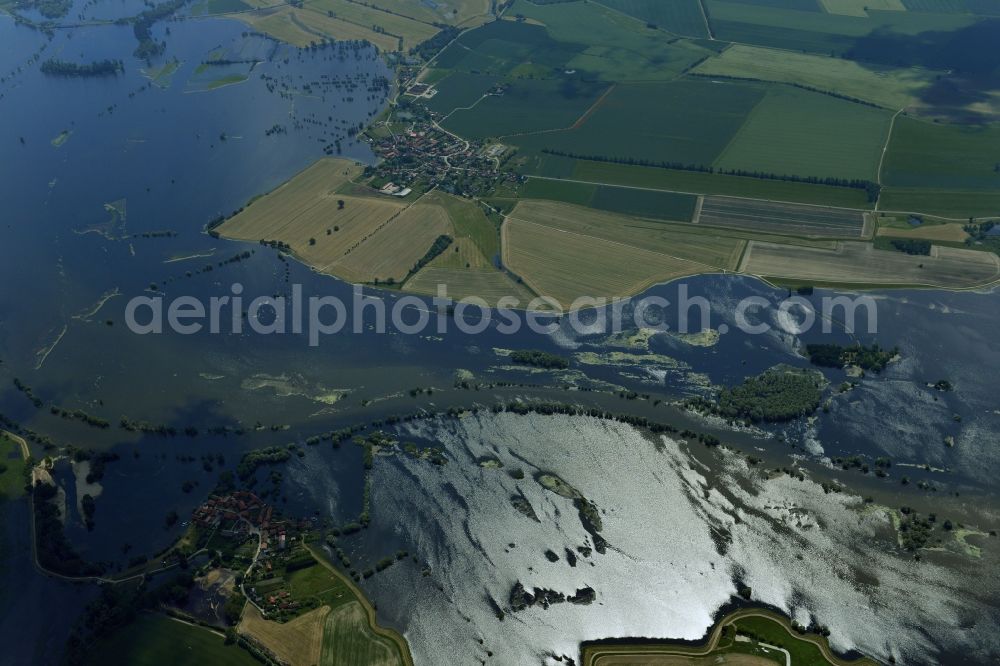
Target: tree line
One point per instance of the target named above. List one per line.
(871, 188)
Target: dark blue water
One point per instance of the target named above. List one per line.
(161, 151)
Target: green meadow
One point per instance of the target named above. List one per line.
(682, 17)
(942, 156)
(627, 201)
(527, 106)
(459, 89)
(153, 640)
(803, 133)
(704, 183)
(686, 121)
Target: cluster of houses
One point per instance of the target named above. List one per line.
(425, 153)
(241, 513)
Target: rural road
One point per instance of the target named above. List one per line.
(767, 646)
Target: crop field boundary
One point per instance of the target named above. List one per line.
(619, 244)
(694, 194)
(696, 217)
(579, 122)
(384, 632)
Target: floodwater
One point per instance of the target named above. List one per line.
(105, 165)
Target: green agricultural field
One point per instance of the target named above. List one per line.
(153, 640)
(209, 7)
(665, 62)
(892, 88)
(528, 106)
(947, 203)
(646, 204)
(459, 89)
(687, 122)
(704, 183)
(348, 640)
(803, 133)
(317, 583)
(818, 32)
(470, 222)
(861, 7)
(498, 47)
(581, 194)
(940, 156)
(768, 631)
(683, 17)
(614, 45)
(723, 647)
(11, 469)
(639, 203)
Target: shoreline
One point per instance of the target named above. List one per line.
(592, 652)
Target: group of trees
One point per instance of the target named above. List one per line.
(779, 394)
(440, 244)
(54, 67)
(539, 359)
(55, 553)
(837, 356)
(912, 246)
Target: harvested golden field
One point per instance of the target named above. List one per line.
(348, 640)
(566, 265)
(713, 249)
(299, 641)
(491, 285)
(861, 264)
(302, 26)
(270, 214)
(306, 213)
(463, 253)
(476, 239)
(952, 232)
(395, 248)
(467, 13)
(376, 20)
